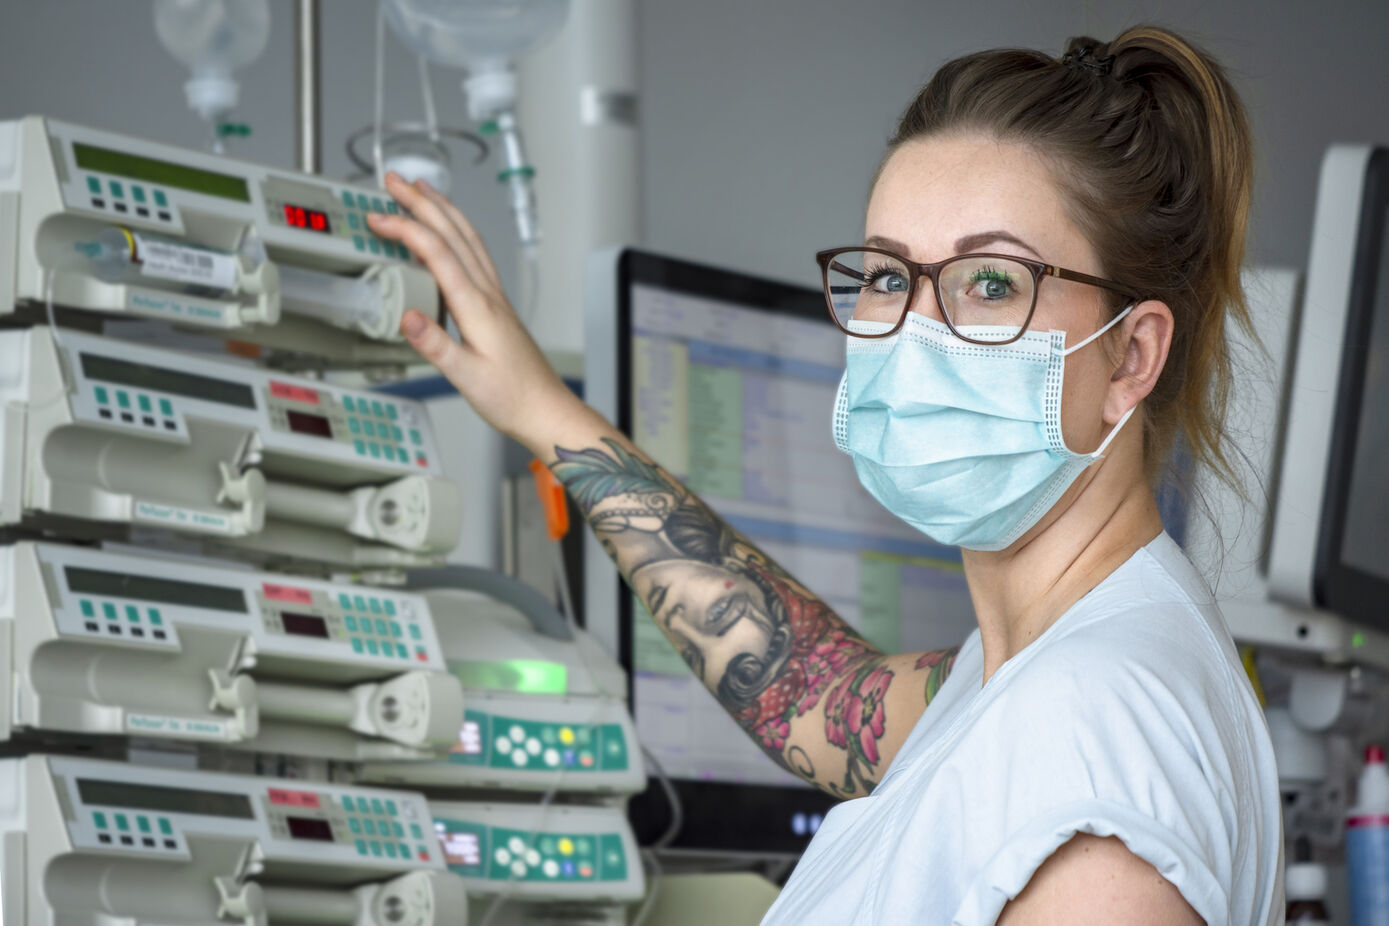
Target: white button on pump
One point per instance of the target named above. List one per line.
(516, 845)
(532, 857)
(533, 746)
(551, 868)
(518, 735)
(503, 744)
(503, 857)
(518, 868)
(551, 758)
(520, 757)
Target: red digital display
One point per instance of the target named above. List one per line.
(307, 219)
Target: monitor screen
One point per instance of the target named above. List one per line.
(728, 382)
(1353, 567)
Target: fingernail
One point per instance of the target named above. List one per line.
(413, 325)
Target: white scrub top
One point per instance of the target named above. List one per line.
(1131, 716)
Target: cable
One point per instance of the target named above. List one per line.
(431, 118)
(379, 112)
(48, 304)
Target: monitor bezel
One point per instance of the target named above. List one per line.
(1338, 586)
(719, 817)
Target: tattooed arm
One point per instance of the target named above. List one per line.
(819, 699)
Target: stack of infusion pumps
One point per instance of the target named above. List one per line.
(204, 566)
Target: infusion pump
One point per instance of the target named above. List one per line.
(102, 643)
(112, 224)
(541, 712)
(100, 435)
(104, 842)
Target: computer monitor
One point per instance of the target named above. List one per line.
(1330, 542)
(728, 381)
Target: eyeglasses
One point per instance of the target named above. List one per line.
(999, 290)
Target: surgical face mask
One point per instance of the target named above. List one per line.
(962, 441)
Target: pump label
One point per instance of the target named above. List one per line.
(158, 725)
(182, 264)
(184, 518)
(185, 309)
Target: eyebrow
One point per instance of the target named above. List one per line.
(962, 245)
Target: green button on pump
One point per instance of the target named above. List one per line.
(356, 645)
(109, 610)
(362, 201)
(145, 405)
(144, 824)
(165, 827)
(376, 807)
(138, 192)
(373, 648)
(347, 199)
(369, 429)
(415, 437)
(94, 186)
(377, 205)
(354, 824)
(345, 601)
(132, 614)
(376, 606)
(369, 826)
(395, 629)
(160, 199)
(389, 606)
(381, 628)
(353, 221)
(359, 242)
(354, 426)
(361, 847)
(360, 446)
(374, 245)
(391, 809)
(401, 651)
(122, 398)
(122, 823)
(166, 408)
(348, 403)
(415, 633)
(87, 609)
(390, 849)
(100, 819)
(378, 409)
(116, 190)
(351, 623)
(156, 618)
(415, 831)
(101, 396)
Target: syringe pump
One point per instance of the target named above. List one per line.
(103, 842)
(540, 853)
(98, 643)
(546, 707)
(101, 435)
(107, 223)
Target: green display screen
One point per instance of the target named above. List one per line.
(167, 173)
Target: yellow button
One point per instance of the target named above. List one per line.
(566, 736)
(566, 847)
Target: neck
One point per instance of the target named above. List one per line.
(1105, 517)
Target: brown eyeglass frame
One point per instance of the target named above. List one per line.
(916, 271)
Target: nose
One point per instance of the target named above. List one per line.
(924, 301)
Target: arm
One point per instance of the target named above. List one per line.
(1114, 886)
(818, 699)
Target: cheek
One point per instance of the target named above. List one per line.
(1083, 395)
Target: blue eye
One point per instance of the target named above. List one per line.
(885, 279)
(993, 284)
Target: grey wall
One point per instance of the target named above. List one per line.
(763, 120)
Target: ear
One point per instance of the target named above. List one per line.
(1144, 338)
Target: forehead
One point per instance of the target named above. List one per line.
(933, 192)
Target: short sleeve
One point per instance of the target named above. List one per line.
(1005, 875)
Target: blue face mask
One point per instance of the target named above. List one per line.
(962, 441)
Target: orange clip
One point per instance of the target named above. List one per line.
(552, 499)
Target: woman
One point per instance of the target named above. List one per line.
(1052, 248)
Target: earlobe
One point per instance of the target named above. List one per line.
(1147, 334)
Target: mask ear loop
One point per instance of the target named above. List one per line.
(1104, 444)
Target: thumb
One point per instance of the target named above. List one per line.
(430, 341)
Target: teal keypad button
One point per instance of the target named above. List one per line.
(415, 831)
(421, 459)
(381, 629)
(144, 824)
(369, 826)
(377, 205)
(345, 601)
(377, 409)
(353, 220)
(390, 849)
(87, 609)
(356, 645)
(373, 648)
(117, 191)
(160, 199)
(359, 242)
(389, 605)
(374, 245)
(374, 448)
(138, 192)
(391, 414)
(348, 403)
(391, 207)
(94, 186)
(145, 405)
(100, 819)
(391, 810)
(351, 623)
(402, 454)
(354, 426)
(404, 251)
(347, 199)
(398, 830)
(347, 803)
(156, 618)
(361, 847)
(377, 807)
(166, 408)
(166, 827)
(122, 823)
(109, 610)
(415, 437)
(401, 651)
(362, 201)
(132, 614)
(375, 607)
(360, 446)
(395, 632)
(354, 824)
(101, 396)
(376, 848)
(388, 248)
(415, 633)
(404, 850)
(122, 398)
(369, 428)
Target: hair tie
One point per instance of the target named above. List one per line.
(1085, 58)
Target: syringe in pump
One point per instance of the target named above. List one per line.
(243, 659)
(105, 842)
(125, 226)
(100, 435)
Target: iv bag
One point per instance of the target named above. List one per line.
(465, 33)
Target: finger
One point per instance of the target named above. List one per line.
(426, 210)
(466, 228)
(432, 342)
(439, 259)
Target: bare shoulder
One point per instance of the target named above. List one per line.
(1091, 880)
